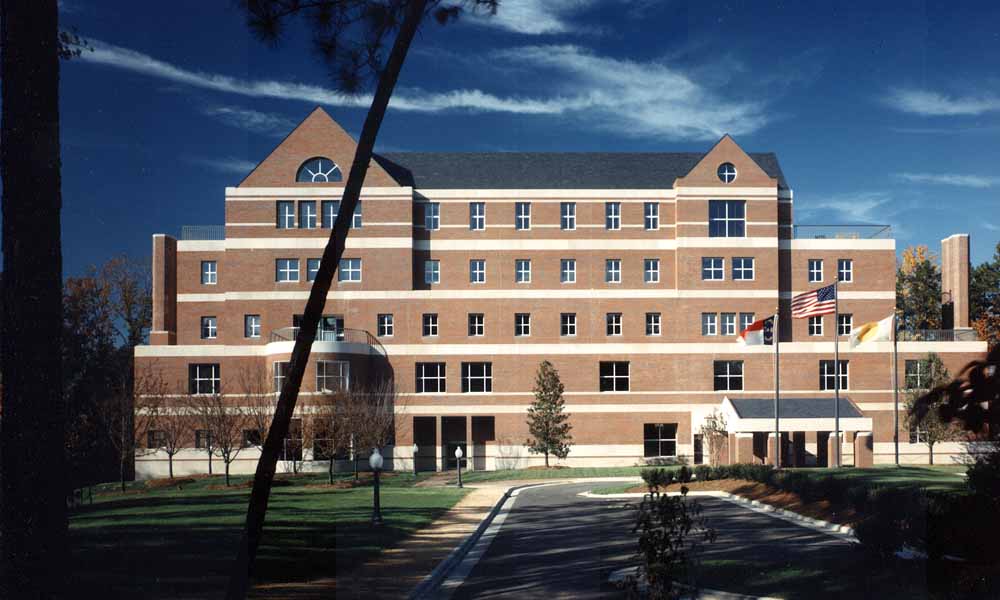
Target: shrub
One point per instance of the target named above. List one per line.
(896, 517)
(684, 475)
(656, 479)
(703, 473)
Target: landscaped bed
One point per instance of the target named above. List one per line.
(555, 473)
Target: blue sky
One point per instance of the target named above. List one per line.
(878, 114)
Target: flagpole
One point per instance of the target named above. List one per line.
(895, 389)
(836, 370)
(777, 390)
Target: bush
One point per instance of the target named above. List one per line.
(703, 473)
(656, 479)
(896, 517)
(684, 475)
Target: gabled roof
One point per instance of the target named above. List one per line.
(550, 170)
(794, 408)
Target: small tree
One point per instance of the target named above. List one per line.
(547, 423)
(127, 423)
(225, 424)
(330, 431)
(714, 432)
(918, 290)
(258, 400)
(932, 428)
(173, 429)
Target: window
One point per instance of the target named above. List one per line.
(845, 270)
(522, 324)
(727, 218)
(202, 439)
(286, 215)
(659, 440)
(567, 216)
(614, 323)
(709, 324)
(356, 222)
(280, 373)
(745, 320)
(430, 324)
(477, 377)
(477, 216)
(251, 438)
(431, 378)
(712, 268)
(567, 324)
(209, 328)
(477, 324)
(477, 270)
(330, 210)
(651, 215)
(522, 215)
(614, 376)
(307, 214)
(386, 325)
(432, 216)
(349, 270)
(613, 270)
(827, 378)
(815, 270)
(728, 375)
(845, 323)
(251, 326)
(312, 267)
(156, 438)
(743, 268)
(612, 215)
(333, 375)
(204, 378)
(209, 272)
(917, 374)
(522, 270)
(918, 435)
(729, 324)
(432, 272)
(318, 170)
(815, 325)
(726, 172)
(651, 270)
(652, 323)
(330, 328)
(286, 270)
(567, 270)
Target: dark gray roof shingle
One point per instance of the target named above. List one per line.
(794, 408)
(550, 170)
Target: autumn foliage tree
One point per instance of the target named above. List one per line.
(548, 427)
(984, 299)
(918, 290)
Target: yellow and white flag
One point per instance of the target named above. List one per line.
(876, 331)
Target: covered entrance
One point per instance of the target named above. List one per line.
(438, 437)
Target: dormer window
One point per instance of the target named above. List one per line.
(318, 170)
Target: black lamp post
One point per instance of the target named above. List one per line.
(375, 462)
(458, 460)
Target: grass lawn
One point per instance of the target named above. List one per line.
(554, 473)
(933, 479)
(179, 543)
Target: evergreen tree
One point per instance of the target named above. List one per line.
(547, 423)
(984, 299)
(918, 290)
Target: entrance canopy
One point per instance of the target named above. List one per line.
(796, 414)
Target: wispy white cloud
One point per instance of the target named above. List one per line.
(534, 17)
(935, 104)
(251, 120)
(228, 164)
(991, 226)
(954, 179)
(856, 208)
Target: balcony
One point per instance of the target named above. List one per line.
(938, 335)
(841, 232)
(336, 341)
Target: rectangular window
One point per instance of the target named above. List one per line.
(477, 216)
(613, 215)
(349, 270)
(522, 270)
(430, 321)
(251, 326)
(431, 378)
(286, 270)
(567, 216)
(728, 375)
(613, 270)
(743, 268)
(522, 216)
(477, 324)
(329, 329)
(432, 272)
(209, 328)
(815, 325)
(156, 438)
(826, 375)
(251, 438)
(307, 214)
(614, 376)
(202, 439)
(312, 267)
(709, 324)
(727, 218)
(614, 323)
(844, 324)
(567, 270)
(845, 270)
(916, 377)
(659, 440)
(567, 324)
(729, 324)
(209, 272)
(386, 325)
(204, 378)
(432, 216)
(477, 270)
(651, 270)
(713, 268)
(745, 320)
(651, 215)
(652, 323)
(815, 270)
(356, 222)
(330, 210)
(522, 324)
(286, 215)
(477, 377)
(333, 375)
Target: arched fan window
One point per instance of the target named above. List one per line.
(318, 170)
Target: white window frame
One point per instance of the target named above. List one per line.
(614, 377)
(567, 270)
(286, 214)
(726, 218)
(815, 269)
(432, 216)
(251, 326)
(522, 324)
(826, 376)
(386, 325)
(651, 270)
(477, 324)
(209, 328)
(612, 216)
(742, 272)
(312, 268)
(660, 441)
(653, 323)
(356, 217)
(728, 321)
(522, 270)
(307, 214)
(432, 271)
(486, 378)
(280, 374)
(709, 324)
(477, 270)
(209, 272)
(429, 324)
(814, 327)
(746, 319)
(213, 376)
(715, 271)
(730, 378)
(651, 215)
(284, 272)
(522, 216)
(612, 270)
(330, 210)
(845, 270)
(567, 216)
(477, 216)
(337, 372)
(567, 324)
(613, 324)
(349, 270)
(431, 372)
(921, 374)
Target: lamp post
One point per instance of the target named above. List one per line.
(415, 448)
(458, 461)
(375, 462)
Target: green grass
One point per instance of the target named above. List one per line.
(613, 489)
(169, 542)
(567, 473)
(933, 479)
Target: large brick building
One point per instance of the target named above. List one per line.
(631, 272)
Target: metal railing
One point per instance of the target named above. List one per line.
(203, 232)
(347, 336)
(842, 232)
(938, 335)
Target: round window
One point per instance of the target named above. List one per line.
(727, 172)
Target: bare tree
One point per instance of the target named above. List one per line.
(126, 422)
(258, 398)
(173, 429)
(225, 423)
(329, 431)
(713, 430)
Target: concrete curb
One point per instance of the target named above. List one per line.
(620, 575)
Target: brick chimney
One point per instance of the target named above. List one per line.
(164, 330)
(955, 281)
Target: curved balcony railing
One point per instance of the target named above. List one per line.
(343, 336)
(938, 335)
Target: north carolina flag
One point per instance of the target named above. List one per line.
(758, 333)
(876, 331)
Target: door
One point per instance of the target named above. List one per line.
(699, 449)
(822, 441)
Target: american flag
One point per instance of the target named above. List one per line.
(815, 303)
